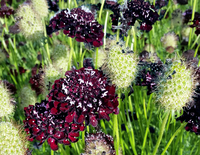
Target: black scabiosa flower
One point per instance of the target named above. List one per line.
(79, 23)
(150, 70)
(191, 114)
(5, 11)
(42, 125)
(196, 22)
(53, 5)
(36, 82)
(138, 10)
(99, 143)
(84, 95)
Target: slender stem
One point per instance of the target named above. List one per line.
(161, 133)
(52, 152)
(100, 12)
(147, 128)
(105, 27)
(193, 13)
(172, 138)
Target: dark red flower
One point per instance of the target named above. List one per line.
(78, 23)
(84, 95)
(5, 11)
(191, 114)
(42, 125)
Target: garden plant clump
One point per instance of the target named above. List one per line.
(102, 77)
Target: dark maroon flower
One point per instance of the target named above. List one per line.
(78, 23)
(42, 125)
(182, 2)
(99, 143)
(191, 114)
(5, 11)
(196, 22)
(138, 10)
(21, 71)
(36, 80)
(84, 95)
(53, 5)
(149, 72)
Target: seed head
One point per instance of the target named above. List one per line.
(12, 140)
(99, 143)
(122, 66)
(175, 88)
(27, 96)
(169, 41)
(6, 108)
(29, 23)
(40, 7)
(60, 57)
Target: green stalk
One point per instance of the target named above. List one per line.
(195, 41)
(161, 133)
(105, 27)
(52, 152)
(193, 13)
(147, 129)
(46, 44)
(100, 12)
(172, 138)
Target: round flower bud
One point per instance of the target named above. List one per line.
(29, 23)
(12, 141)
(60, 57)
(169, 41)
(122, 64)
(40, 7)
(99, 143)
(6, 108)
(175, 88)
(185, 33)
(50, 75)
(27, 96)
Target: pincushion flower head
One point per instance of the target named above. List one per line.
(84, 95)
(121, 65)
(79, 23)
(6, 107)
(12, 139)
(29, 22)
(99, 143)
(175, 88)
(42, 125)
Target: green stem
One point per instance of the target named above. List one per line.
(100, 13)
(147, 128)
(172, 138)
(105, 27)
(52, 152)
(161, 133)
(193, 13)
